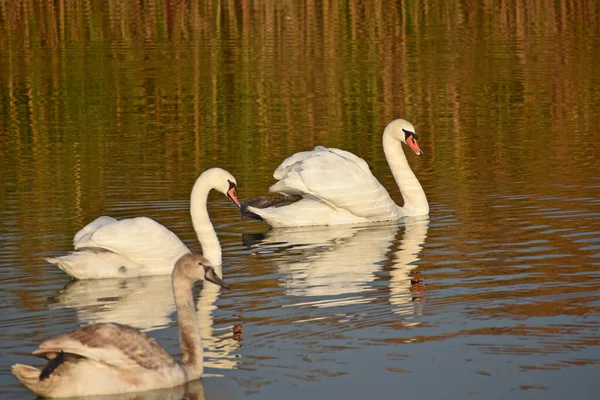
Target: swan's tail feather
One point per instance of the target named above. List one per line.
(64, 263)
(30, 377)
(265, 202)
(53, 363)
(92, 263)
(272, 215)
(53, 260)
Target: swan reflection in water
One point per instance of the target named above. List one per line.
(336, 265)
(147, 303)
(193, 390)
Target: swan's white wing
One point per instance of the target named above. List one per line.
(362, 164)
(141, 239)
(291, 161)
(91, 228)
(112, 344)
(340, 179)
(296, 158)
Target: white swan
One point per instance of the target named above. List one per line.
(114, 358)
(337, 187)
(107, 248)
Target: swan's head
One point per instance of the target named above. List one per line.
(195, 268)
(223, 181)
(404, 131)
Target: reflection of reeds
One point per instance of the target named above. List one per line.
(261, 79)
(328, 45)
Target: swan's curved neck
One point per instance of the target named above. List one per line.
(415, 201)
(211, 249)
(192, 360)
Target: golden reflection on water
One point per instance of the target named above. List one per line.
(114, 108)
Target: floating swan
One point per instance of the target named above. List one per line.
(336, 187)
(107, 248)
(125, 301)
(113, 358)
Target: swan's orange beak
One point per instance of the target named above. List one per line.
(233, 196)
(412, 143)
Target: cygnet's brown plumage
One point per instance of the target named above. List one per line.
(112, 358)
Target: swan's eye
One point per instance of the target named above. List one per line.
(408, 134)
(231, 184)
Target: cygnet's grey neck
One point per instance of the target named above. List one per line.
(192, 360)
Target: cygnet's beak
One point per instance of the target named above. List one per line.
(211, 276)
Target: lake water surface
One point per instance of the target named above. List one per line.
(116, 108)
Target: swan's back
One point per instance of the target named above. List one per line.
(293, 160)
(142, 240)
(112, 344)
(85, 232)
(337, 178)
(100, 359)
(297, 159)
